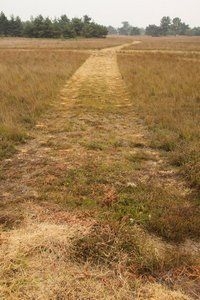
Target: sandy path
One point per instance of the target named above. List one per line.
(93, 112)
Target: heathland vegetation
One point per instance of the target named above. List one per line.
(40, 27)
(29, 82)
(63, 44)
(181, 44)
(166, 93)
(95, 203)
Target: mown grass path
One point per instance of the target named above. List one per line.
(89, 152)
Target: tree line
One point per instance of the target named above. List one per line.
(173, 26)
(125, 29)
(40, 27)
(63, 27)
(167, 26)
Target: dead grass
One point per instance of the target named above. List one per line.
(144, 258)
(102, 215)
(35, 260)
(75, 44)
(167, 43)
(165, 92)
(113, 243)
(158, 291)
(56, 254)
(29, 82)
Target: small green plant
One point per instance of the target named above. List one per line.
(95, 145)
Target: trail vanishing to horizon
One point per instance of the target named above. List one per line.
(80, 151)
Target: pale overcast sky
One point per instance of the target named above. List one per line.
(108, 12)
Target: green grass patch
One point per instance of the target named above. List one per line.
(103, 190)
(159, 210)
(95, 145)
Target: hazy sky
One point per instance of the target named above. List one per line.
(137, 12)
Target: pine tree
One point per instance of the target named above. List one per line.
(3, 24)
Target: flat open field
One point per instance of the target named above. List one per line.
(167, 44)
(76, 44)
(99, 172)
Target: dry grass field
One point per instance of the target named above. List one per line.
(166, 92)
(167, 44)
(29, 82)
(75, 44)
(101, 201)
